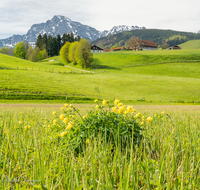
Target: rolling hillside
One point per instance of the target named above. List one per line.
(158, 36)
(152, 76)
(192, 44)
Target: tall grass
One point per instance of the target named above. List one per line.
(34, 157)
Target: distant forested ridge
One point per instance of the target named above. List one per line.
(170, 37)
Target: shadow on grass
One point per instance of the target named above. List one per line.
(96, 64)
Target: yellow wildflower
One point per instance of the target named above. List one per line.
(129, 108)
(114, 109)
(87, 141)
(70, 105)
(53, 112)
(134, 110)
(116, 101)
(105, 102)
(163, 112)
(96, 100)
(84, 117)
(62, 116)
(137, 115)
(72, 116)
(119, 105)
(143, 118)
(21, 112)
(28, 126)
(155, 115)
(70, 125)
(97, 107)
(121, 109)
(149, 119)
(142, 123)
(20, 122)
(54, 121)
(63, 133)
(49, 126)
(65, 120)
(65, 105)
(61, 108)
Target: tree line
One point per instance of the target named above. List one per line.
(77, 53)
(46, 46)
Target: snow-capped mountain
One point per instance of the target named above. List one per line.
(60, 25)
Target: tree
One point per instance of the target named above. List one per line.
(64, 52)
(50, 46)
(72, 50)
(165, 45)
(55, 46)
(40, 56)
(134, 42)
(34, 54)
(20, 50)
(83, 55)
(44, 41)
(59, 42)
(29, 53)
(39, 41)
(7, 50)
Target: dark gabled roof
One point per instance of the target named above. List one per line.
(148, 43)
(94, 47)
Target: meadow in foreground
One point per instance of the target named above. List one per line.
(112, 146)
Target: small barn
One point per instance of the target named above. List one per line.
(175, 47)
(95, 49)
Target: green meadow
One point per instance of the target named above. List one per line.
(190, 45)
(153, 76)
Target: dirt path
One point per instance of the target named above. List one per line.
(79, 69)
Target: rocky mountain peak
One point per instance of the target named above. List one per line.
(59, 25)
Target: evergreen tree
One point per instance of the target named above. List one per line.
(50, 46)
(71, 37)
(55, 46)
(44, 41)
(39, 41)
(59, 42)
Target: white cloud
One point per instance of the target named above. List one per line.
(17, 16)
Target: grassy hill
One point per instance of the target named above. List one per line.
(192, 44)
(164, 75)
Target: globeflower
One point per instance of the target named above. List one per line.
(70, 125)
(87, 141)
(61, 108)
(129, 108)
(53, 112)
(21, 112)
(65, 121)
(163, 112)
(65, 105)
(114, 109)
(96, 100)
(142, 123)
(149, 119)
(97, 107)
(119, 105)
(121, 109)
(63, 133)
(54, 121)
(20, 122)
(116, 102)
(105, 102)
(137, 115)
(84, 117)
(62, 116)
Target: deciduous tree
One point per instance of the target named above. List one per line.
(64, 52)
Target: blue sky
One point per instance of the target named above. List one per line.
(17, 16)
